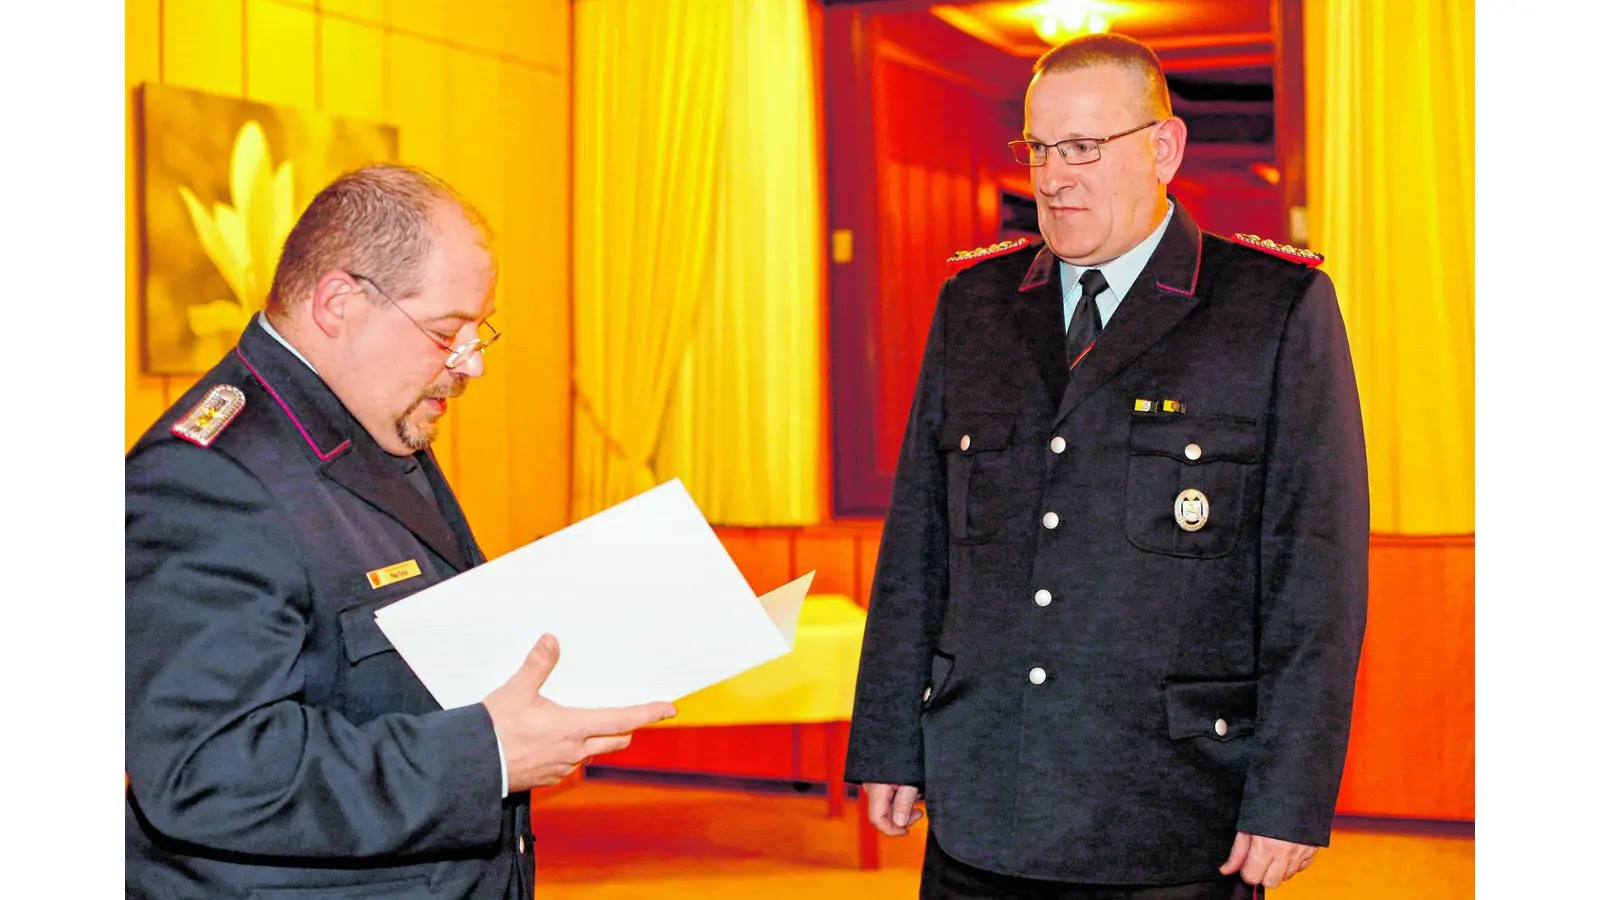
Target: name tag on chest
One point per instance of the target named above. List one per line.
(390, 574)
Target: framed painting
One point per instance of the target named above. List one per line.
(223, 181)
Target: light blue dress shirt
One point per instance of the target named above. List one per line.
(1120, 274)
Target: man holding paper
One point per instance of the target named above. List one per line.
(277, 745)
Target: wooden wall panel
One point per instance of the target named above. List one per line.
(474, 165)
(540, 33)
(370, 11)
(1224, 196)
(911, 186)
(480, 91)
(479, 27)
(535, 294)
(414, 100)
(280, 54)
(767, 557)
(408, 62)
(928, 185)
(202, 45)
(1412, 750)
(1411, 746)
(419, 17)
(744, 751)
(144, 396)
(352, 67)
(832, 555)
(866, 564)
(764, 556)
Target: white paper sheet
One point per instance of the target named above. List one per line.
(643, 598)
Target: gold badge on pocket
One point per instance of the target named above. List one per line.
(390, 574)
(1191, 509)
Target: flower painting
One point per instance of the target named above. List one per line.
(224, 180)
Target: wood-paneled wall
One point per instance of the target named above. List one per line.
(1412, 747)
(480, 91)
(1411, 743)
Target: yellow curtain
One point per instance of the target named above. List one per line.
(1389, 121)
(742, 430)
(696, 295)
(649, 115)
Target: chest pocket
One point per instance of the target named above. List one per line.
(375, 679)
(1189, 479)
(974, 445)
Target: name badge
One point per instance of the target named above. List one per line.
(398, 572)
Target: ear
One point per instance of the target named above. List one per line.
(331, 301)
(1171, 138)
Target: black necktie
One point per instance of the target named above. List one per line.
(419, 480)
(1085, 326)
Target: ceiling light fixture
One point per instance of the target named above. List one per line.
(1057, 21)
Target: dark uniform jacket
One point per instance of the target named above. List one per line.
(277, 745)
(1084, 690)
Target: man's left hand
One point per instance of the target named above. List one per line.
(1266, 861)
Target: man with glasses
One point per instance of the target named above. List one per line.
(277, 744)
(1114, 627)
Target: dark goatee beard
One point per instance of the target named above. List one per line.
(420, 437)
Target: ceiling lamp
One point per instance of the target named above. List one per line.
(1056, 21)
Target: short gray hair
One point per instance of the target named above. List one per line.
(1091, 50)
(375, 221)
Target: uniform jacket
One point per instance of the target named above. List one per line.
(277, 744)
(1084, 690)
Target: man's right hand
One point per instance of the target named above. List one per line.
(892, 807)
(544, 741)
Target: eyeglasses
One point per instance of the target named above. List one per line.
(1076, 151)
(459, 352)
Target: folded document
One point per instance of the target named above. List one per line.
(643, 598)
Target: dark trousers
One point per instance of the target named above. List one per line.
(944, 878)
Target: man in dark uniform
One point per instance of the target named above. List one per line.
(277, 745)
(1121, 593)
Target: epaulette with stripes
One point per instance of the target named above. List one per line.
(1282, 251)
(201, 425)
(965, 258)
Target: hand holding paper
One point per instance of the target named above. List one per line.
(645, 601)
(544, 741)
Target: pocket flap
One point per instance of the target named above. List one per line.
(979, 431)
(1220, 710)
(406, 889)
(938, 676)
(362, 636)
(1212, 439)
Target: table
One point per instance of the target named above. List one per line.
(813, 684)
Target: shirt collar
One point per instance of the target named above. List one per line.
(267, 327)
(1121, 272)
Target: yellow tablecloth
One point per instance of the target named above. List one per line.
(816, 682)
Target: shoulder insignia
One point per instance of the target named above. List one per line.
(958, 261)
(1282, 251)
(201, 425)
